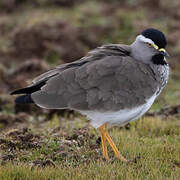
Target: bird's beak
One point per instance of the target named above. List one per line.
(161, 50)
(164, 52)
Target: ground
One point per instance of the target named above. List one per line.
(35, 36)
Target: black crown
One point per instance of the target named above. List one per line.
(156, 36)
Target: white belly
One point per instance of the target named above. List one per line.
(118, 117)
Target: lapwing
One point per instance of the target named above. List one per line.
(113, 84)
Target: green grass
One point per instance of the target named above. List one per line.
(153, 141)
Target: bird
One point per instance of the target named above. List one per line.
(113, 84)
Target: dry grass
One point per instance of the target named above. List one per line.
(155, 143)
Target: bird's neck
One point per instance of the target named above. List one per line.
(139, 54)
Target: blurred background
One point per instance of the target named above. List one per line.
(37, 35)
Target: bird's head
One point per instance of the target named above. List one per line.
(149, 46)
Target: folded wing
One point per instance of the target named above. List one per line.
(107, 78)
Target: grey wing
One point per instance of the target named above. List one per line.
(96, 54)
(112, 83)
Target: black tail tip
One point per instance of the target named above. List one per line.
(12, 93)
(25, 99)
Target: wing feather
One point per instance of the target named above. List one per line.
(106, 79)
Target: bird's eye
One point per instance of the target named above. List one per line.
(149, 44)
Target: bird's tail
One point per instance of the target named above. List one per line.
(24, 99)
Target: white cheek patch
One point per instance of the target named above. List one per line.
(144, 39)
(147, 40)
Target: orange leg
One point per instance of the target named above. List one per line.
(105, 136)
(103, 141)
